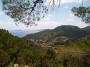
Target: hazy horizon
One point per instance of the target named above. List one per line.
(64, 16)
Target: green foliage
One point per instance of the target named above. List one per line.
(75, 54)
(17, 50)
(76, 59)
(82, 12)
(25, 11)
(86, 29)
(4, 58)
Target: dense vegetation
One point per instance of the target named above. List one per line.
(16, 50)
(82, 12)
(64, 32)
(24, 52)
(75, 54)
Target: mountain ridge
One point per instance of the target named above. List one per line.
(64, 32)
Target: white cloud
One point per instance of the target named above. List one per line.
(49, 15)
(71, 1)
(45, 23)
(79, 24)
(63, 1)
(66, 7)
(11, 26)
(70, 20)
(1, 13)
(71, 15)
(49, 24)
(7, 25)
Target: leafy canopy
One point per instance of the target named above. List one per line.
(82, 12)
(25, 11)
(29, 11)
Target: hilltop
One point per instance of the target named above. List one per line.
(60, 34)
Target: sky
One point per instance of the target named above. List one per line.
(60, 16)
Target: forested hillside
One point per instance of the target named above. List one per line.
(87, 29)
(14, 50)
(60, 34)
